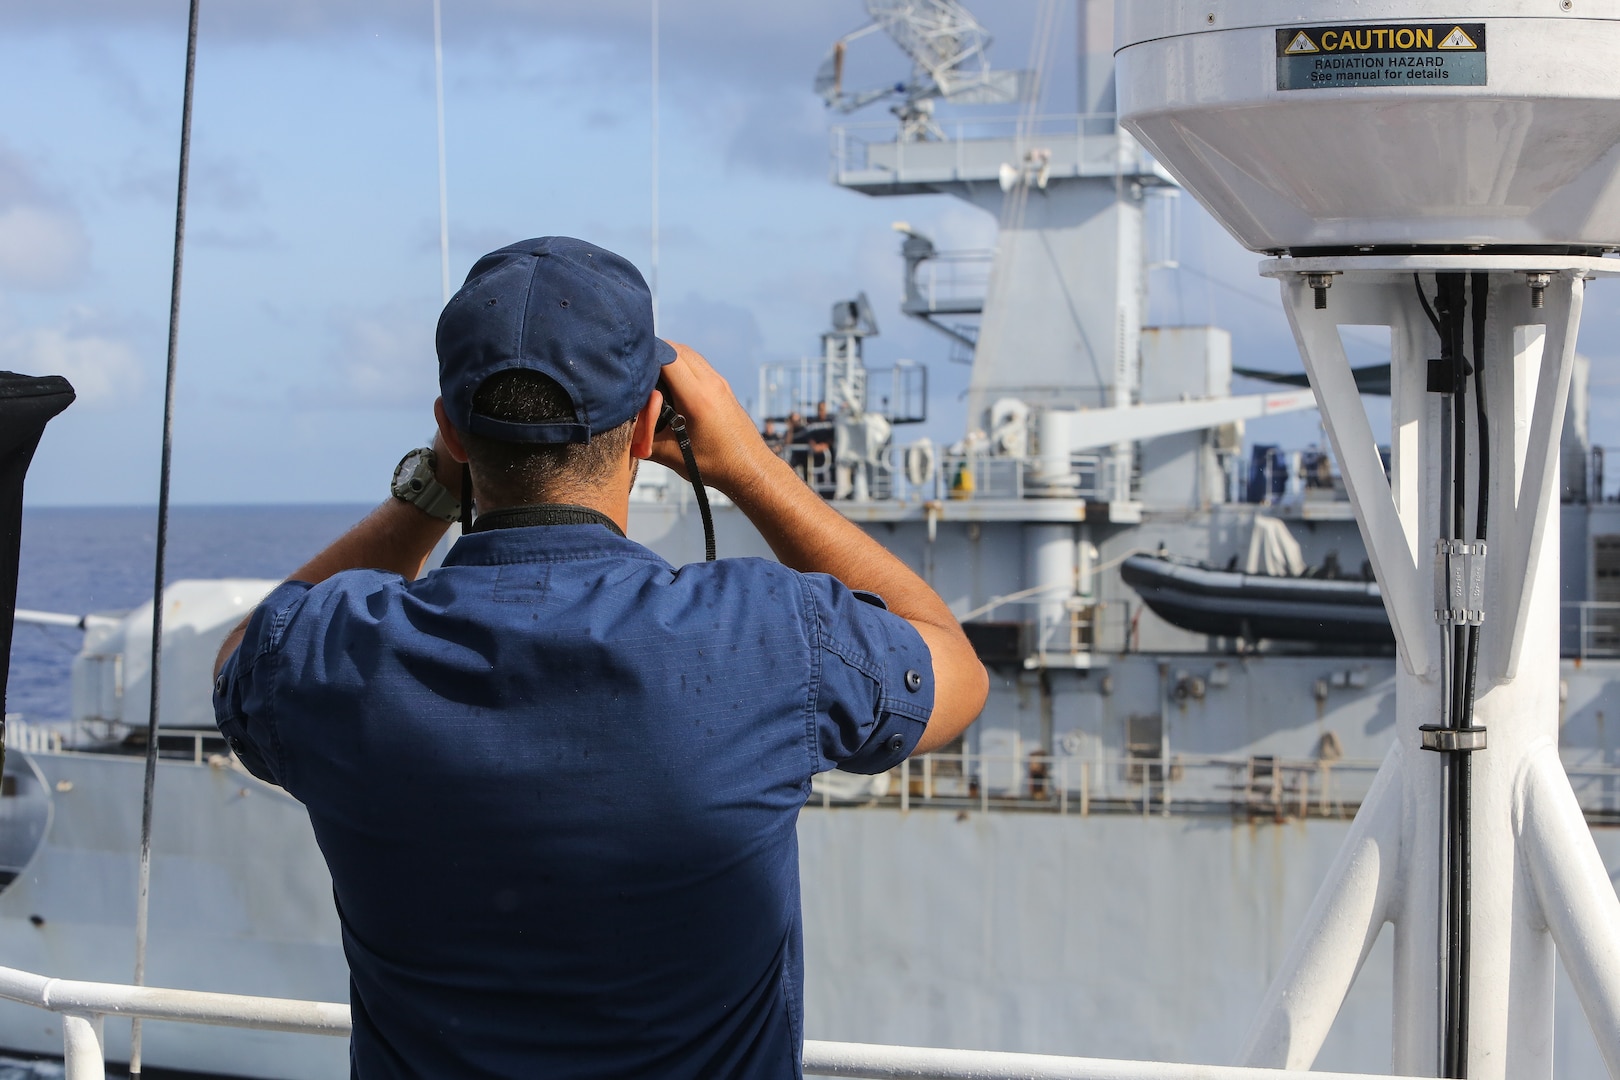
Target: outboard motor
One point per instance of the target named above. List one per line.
(27, 404)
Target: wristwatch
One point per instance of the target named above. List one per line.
(415, 483)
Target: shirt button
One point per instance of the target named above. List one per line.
(236, 745)
(897, 743)
(913, 681)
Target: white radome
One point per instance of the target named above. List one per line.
(1522, 149)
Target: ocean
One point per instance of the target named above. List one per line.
(99, 559)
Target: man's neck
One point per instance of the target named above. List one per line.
(613, 505)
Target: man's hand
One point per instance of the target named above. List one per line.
(731, 454)
(446, 469)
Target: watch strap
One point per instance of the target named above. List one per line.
(436, 500)
(422, 489)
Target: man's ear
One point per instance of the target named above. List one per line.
(452, 437)
(641, 440)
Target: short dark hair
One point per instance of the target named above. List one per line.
(520, 473)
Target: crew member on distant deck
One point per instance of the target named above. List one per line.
(819, 432)
(793, 438)
(774, 439)
(820, 464)
(556, 780)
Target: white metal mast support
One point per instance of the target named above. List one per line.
(1536, 878)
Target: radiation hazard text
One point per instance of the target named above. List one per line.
(1398, 54)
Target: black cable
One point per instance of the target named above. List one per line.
(1417, 280)
(150, 782)
(1452, 310)
(677, 424)
(1462, 885)
(1482, 290)
(1450, 317)
(1462, 846)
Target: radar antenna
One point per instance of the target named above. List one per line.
(948, 50)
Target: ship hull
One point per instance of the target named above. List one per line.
(1029, 926)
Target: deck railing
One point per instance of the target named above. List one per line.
(1259, 786)
(85, 1007)
(1069, 139)
(33, 738)
(1083, 785)
(1589, 630)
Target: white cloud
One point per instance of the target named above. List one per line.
(43, 244)
(104, 370)
(41, 247)
(385, 356)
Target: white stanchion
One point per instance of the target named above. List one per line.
(82, 1055)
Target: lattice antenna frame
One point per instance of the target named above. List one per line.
(946, 44)
(948, 48)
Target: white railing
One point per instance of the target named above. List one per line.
(32, 738)
(1064, 784)
(1597, 790)
(952, 277)
(986, 476)
(173, 740)
(874, 1062)
(875, 145)
(1082, 785)
(1589, 629)
(84, 1007)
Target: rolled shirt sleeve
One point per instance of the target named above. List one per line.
(874, 686)
(244, 691)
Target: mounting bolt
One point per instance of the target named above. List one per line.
(1321, 282)
(1538, 288)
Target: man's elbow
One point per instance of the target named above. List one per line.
(973, 691)
(228, 647)
(961, 688)
(981, 687)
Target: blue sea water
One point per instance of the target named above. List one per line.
(85, 559)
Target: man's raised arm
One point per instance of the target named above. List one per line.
(808, 535)
(396, 536)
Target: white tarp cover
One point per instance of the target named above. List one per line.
(1273, 550)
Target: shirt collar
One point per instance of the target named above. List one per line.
(544, 543)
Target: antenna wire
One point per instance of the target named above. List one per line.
(144, 878)
(444, 198)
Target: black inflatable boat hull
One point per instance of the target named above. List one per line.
(1254, 606)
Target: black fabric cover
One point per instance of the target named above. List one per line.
(27, 404)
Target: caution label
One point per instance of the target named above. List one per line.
(1393, 54)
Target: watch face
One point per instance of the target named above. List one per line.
(406, 470)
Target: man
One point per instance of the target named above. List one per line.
(774, 440)
(556, 780)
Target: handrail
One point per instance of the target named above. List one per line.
(187, 1006)
(870, 1061)
(84, 1005)
(71, 622)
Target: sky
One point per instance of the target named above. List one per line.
(312, 284)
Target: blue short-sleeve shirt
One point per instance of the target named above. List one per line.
(556, 782)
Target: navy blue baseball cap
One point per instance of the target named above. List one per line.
(562, 307)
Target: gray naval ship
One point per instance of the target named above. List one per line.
(1192, 675)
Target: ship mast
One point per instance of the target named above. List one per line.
(1471, 842)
